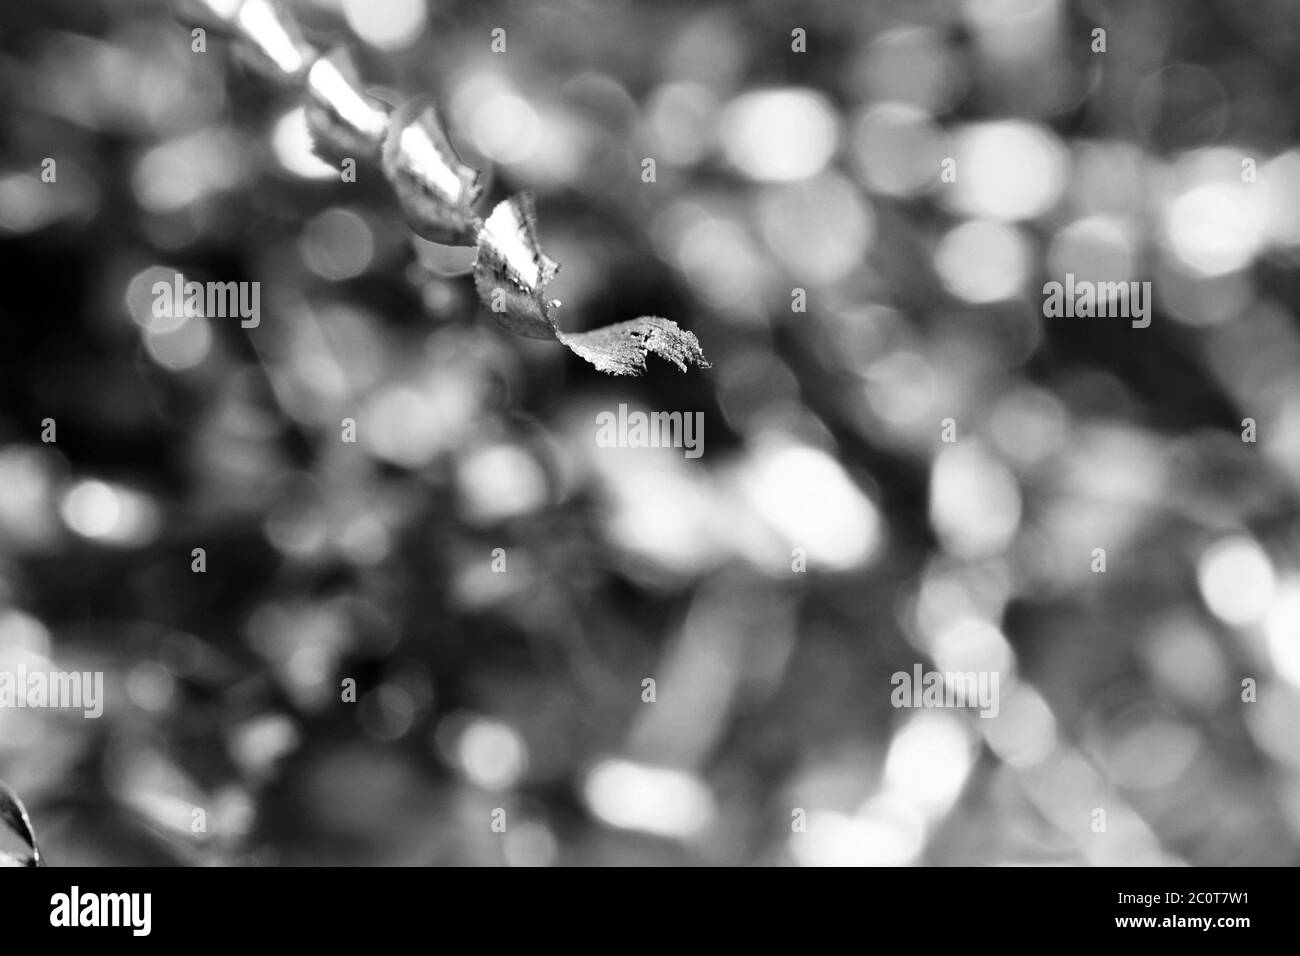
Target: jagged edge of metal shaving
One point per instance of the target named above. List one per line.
(621, 349)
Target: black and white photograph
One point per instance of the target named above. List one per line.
(576, 434)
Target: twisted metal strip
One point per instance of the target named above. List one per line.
(435, 190)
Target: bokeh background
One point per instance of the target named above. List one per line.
(522, 690)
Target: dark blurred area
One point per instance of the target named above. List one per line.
(777, 172)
